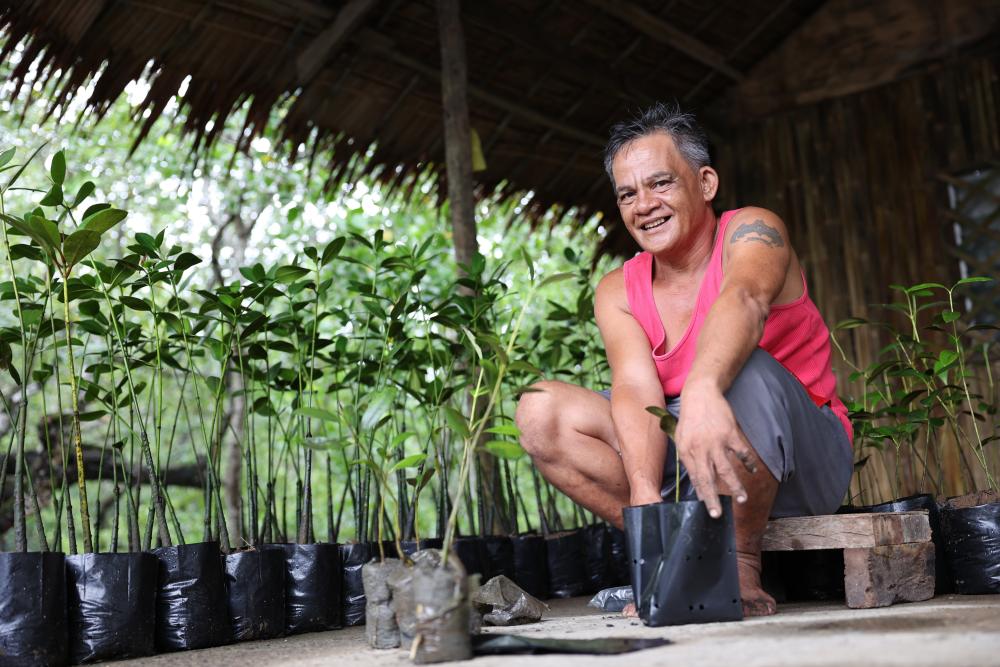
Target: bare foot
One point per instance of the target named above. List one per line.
(630, 611)
(756, 601)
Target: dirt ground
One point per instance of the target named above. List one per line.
(948, 630)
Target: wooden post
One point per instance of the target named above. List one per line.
(457, 138)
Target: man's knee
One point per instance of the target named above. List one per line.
(762, 380)
(537, 417)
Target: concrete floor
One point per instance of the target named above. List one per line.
(949, 630)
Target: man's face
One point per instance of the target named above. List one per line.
(662, 200)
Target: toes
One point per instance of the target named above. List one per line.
(759, 606)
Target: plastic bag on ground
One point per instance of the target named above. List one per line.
(612, 599)
(502, 602)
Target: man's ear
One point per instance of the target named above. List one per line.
(709, 183)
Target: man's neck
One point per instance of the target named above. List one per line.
(689, 261)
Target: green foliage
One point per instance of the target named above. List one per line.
(919, 384)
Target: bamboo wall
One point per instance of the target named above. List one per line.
(858, 181)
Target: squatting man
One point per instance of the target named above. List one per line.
(713, 322)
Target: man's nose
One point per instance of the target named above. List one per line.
(645, 201)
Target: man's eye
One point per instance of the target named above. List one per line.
(626, 196)
(661, 183)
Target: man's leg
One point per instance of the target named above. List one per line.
(568, 432)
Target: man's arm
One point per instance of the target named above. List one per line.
(757, 263)
(634, 386)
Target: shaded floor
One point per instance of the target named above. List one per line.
(949, 630)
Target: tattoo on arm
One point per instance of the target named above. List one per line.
(758, 231)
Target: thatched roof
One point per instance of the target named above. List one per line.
(546, 79)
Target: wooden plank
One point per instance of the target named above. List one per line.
(881, 576)
(662, 32)
(318, 52)
(846, 531)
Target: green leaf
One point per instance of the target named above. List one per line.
(185, 261)
(332, 249)
(290, 273)
(456, 421)
(324, 443)
(411, 461)
(53, 197)
(850, 323)
(316, 413)
(555, 278)
(92, 415)
(949, 316)
(57, 169)
(147, 243)
(135, 303)
(79, 244)
(504, 449)
(85, 191)
(379, 404)
(104, 219)
(530, 264)
(505, 429)
(47, 229)
(7, 156)
(944, 361)
(921, 289)
(972, 280)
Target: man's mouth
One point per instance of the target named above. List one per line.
(653, 224)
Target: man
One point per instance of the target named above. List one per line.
(713, 322)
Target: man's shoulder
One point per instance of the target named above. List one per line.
(611, 290)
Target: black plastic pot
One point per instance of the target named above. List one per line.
(312, 587)
(597, 556)
(687, 574)
(471, 552)
(972, 545)
(33, 609)
(410, 547)
(192, 608)
(111, 606)
(565, 555)
(498, 557)
(352, 558)
(256, 584)
(619, 567)
(943, 580)
(531, 568)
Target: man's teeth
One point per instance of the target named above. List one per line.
(652, 225)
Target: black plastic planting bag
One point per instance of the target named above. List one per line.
(111, 606)
(531, 568)
(943, 580)
(32, 609)
(192, 608)
(619, 568)
(498, 557)
(312, 587)
(688, 573)
(597, 563)
(470, 551)
(352, 558)
(972, 542)
(256, 584)
(565, 555)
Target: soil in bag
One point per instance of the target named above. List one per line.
(470, 551)
(692, 576)
(32, 609)
(111, 605)
(567, 575)
(192, 608)
(312, 587)
(942, 571)
(498, 557)
(619, 567)
(256, 584)
(352, 558)
(972, 542)
(531, 568)
(597, 557)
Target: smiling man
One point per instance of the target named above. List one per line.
(713, 322)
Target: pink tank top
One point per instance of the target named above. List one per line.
(794, 333)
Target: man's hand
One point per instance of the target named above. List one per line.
(706, 432)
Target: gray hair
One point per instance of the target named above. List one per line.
(688, 135)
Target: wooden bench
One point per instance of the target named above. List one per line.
(888, 557)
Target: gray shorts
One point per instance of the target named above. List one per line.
(804, 446)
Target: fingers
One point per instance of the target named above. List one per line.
(728, 476)
(702, 476)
